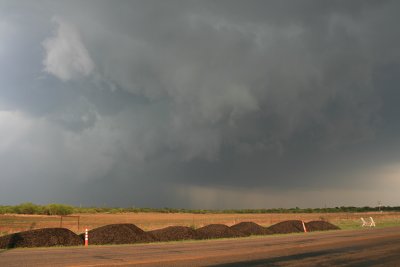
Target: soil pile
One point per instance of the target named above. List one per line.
(286, 227)
(46, 237)
(251, 228)
(130, 233)
(174, 233)
(118, 234)
(320, 226)
(217, 231)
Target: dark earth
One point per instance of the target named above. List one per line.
(131, 234)
(362, 247)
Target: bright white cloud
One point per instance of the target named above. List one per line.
(66, 56)
(46, 151)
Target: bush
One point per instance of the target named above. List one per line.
(58, 209)
(61, 209)
(28, 208)
(6, 209)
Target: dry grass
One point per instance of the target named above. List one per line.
(150, 221)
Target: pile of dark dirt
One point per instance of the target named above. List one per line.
(46, 237)
(130, 233)
(173, 233)
(251, 228)
(286, 227)
(320, 226)
(118, 234)
(217, 231)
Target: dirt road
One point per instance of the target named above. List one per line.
(366, 247)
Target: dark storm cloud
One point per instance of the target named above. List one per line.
(178, 99)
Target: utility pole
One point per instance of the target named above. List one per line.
(379, 206)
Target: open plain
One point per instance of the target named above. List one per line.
(11, 223)
(364, 247)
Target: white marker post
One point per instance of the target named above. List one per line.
(86, 238)
(364, 222)
(372, 222)
(304, 227)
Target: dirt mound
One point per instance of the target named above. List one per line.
(217, 231)
(286, 227)
(46, 237)
(251, 228)
(118, 234)
(172, 233)
(320, 226)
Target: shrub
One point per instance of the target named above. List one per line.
(6, 209)
(58, 209)
(27, 208)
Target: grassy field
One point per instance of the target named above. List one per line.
(11, 223)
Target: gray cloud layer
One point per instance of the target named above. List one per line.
(169, 103)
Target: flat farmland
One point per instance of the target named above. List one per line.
(11, 223)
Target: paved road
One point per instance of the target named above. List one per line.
(366, 247)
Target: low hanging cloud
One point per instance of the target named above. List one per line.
(241, 103)
(66, 56)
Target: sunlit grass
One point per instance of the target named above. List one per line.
(357, 224)
(11, 223)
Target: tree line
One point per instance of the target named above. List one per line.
(62, 209)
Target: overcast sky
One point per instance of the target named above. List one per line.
(200, 104)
